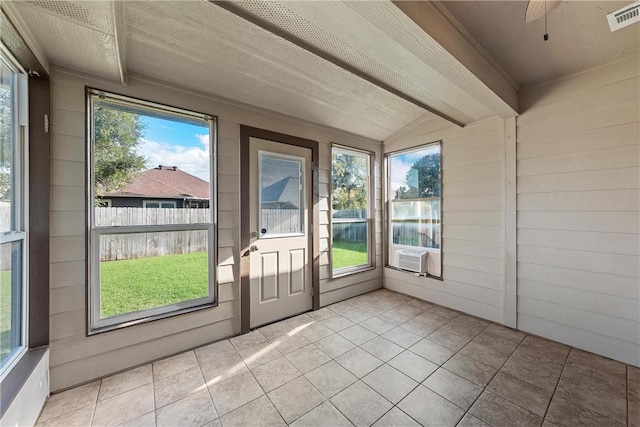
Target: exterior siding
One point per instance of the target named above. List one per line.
(472, 217)
(578, 142)
(76, 358)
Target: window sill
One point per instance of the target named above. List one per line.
(426, 276)
(338, 274)
(103, 329)
(17, 377)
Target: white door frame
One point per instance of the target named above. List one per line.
(246, 133)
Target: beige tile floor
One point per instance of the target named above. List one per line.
(382, 359)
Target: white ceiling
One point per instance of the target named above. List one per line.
(202, 46)
(579, 36)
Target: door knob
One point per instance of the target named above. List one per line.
(253, 248)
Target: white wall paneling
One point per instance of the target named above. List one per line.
(76, 358)
(578, 151)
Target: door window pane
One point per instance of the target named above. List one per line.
(10, 299)
(281, 195)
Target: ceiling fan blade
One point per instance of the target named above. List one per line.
(536, 8)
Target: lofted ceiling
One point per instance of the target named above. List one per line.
(366, 67)
(579, 36)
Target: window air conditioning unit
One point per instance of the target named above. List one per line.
(411, 260)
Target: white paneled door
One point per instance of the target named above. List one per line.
(280, 252)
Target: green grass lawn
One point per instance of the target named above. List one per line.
(138, 284)
(5, 313)
(348, 254)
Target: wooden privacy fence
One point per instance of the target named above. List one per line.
(349, 231)
(115, 247)
(106, 217)
(420, 233)
(143, 245)
(280, 221)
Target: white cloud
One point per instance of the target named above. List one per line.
(193, 160)
(399, 169)
(204, 139)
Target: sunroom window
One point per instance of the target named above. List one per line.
(13, 213)
(350, 213)
(415, 212)
(148, 259)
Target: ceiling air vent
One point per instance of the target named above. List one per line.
(624, 17)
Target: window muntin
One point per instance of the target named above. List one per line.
(415, 197)
(138, 253)
(13, 214)
(350, 211)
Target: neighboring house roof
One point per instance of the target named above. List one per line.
(283, 194)
(164, 182)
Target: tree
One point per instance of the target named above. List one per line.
(423, 179)
(117, 135)
(349, 178)
(6, 143)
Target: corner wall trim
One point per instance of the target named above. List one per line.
(510, 293)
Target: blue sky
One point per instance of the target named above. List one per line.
(400, 165)
(172, 143)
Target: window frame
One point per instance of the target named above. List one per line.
(96, 324)
(388, 238)
(369, 221)
(160, 203)
(19, 226)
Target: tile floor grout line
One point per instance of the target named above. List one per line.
(571, 349)
(358, 379)
(626, 378)
(564, 365)
(206, 383)
(396, 306)
(95, 407)
(484, 388)
(418, 383)
(301, 375)
(466, 411)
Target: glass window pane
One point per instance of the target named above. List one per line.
(10, 299)
(281, 195)
(350, 245)
(148, 270)
(415, 209)
(416, 223)
(349, 180)
(143, 154)
(415, 174)
(7, 141)
(349, 213)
